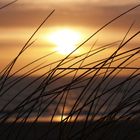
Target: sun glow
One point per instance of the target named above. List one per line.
(65, 40)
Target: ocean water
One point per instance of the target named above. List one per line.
(65, 99)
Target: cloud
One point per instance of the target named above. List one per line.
(88, 15)
(53, 3)
(99, 2)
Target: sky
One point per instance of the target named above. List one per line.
(19, 20)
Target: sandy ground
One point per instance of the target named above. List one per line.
(110, 130)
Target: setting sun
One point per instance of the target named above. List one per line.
(65, 40)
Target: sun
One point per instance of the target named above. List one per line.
(65, 40)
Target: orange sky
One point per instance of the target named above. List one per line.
(19, 21)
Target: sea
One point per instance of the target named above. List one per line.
(55, 99)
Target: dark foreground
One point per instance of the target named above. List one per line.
(109, 130)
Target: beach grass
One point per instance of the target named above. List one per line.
(105, 107)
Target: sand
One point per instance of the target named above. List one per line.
(109, 130)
